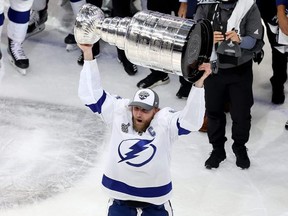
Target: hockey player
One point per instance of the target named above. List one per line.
(137, 175)
(18, 16)
(238, 37)
(38, 17)
(96, 46)
(70, 39)
(274, 15)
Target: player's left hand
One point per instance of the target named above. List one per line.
(206, 67)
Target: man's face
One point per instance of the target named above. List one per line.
(142, 118)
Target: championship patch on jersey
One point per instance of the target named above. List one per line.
(124, 127)
(172, 111)
(136, 152)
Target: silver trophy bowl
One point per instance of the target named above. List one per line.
(150, 39)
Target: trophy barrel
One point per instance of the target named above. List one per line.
(156, 40)
(151, 39)
(168, 43)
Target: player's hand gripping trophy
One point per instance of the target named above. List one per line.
(150, 39)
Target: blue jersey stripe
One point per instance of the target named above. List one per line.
(97, 107)
(19, 17)
(2, 19)
(181, 131)
(148, 192)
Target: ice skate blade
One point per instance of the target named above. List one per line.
(36, 31)
(71, 47)
(22, 71)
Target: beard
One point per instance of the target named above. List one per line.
(140, 127)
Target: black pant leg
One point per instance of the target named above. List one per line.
(121, 8)
(162, 6)
(279, 66)
(97, 3)
(158, 74)
(241, 100)
(215, 91)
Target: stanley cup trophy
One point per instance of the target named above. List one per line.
(150, 39)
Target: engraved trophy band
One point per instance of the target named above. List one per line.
(150, 39)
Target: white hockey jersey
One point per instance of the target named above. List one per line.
(138, 167)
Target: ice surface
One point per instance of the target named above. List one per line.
(45, 149)
(52, 148)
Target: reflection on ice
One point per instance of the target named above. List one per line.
(44, 149)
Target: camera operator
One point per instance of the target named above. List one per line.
(237, 37)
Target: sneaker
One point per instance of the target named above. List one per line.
(37, 22)
(130, 68)
(286, 125)
(151, 81)
(16, 51)
(70, 39)
(96, 53)
(70, 42)
(242, 159)
(183, 92)
(80, 59)
(216, 157)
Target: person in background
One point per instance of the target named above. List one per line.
(122, 8)
(274, 15)
(69, 40)
(187, 10)
(156, 78)
(96, 46)
(39, 16)
(237, 36)
(18, 19)
(137, 173)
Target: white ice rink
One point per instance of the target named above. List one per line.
(52, 147)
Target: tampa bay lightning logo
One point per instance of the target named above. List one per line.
(136, 152)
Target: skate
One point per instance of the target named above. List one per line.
(71, 43)
(36, 22)
(17, 56)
